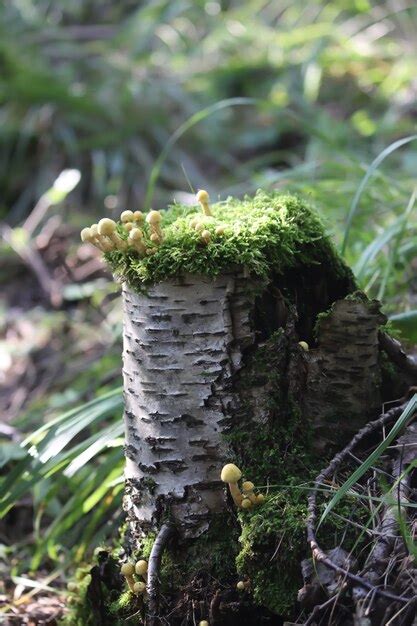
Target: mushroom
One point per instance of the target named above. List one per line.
(141, 568)
(231, 475)
(128, 226)
(203, 198)
(138, 216)
(220, 230)
(139, 587)
(205, 236)
(203, 622)
(72, 587)
(194, 221)
(304, 345)
(107, 228)
(243, 585)
(154, 219)
(127, 216)
(199, 227)
(247, 490)
(246, 504)
(104, 244)
(127, 570)
(135, 239)
(88, 237)
(260, 498)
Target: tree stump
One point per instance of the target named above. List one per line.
(214, 373)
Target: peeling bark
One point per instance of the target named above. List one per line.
(344, 372)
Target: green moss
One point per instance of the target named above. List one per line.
(124, 604)
(214, 553)
(100, 587)
(272, 539)
(278, 455)
(267, 233)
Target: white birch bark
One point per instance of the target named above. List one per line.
(183, 344)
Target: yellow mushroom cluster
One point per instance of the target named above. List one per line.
(201, 222)
(140, 569)
(106, 235)
(245, 499)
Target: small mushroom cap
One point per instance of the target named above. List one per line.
(260, 498)
(135, 234)
(94, 229)
(153, 217)
(72, 586)
(206, 236)
(199, 227)
(246, 503)
(240, 586)
(128, 226)
(303, 345)
(127, 569)
(203, 622)
(139, 587)
(85, 234)
(126, 216)
(220, 230)
(154, 238)
(202, 196)
(137, 216)
(230, 473)
(106, 226)
(141, 567)
(248, 486)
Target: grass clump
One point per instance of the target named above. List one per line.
(270, 232)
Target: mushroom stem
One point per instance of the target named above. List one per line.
(203, 198)
(135, 239)
(235, 493)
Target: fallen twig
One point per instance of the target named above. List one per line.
(398, 356)
(165, 533)
(325, 474)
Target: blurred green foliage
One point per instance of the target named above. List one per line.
(102, 87)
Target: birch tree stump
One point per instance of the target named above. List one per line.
(215, 308)
(183, 345)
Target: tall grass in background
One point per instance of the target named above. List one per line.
(131, 95)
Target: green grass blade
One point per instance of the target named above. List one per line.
(197, 117)
(367, 464)
(374, 165)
